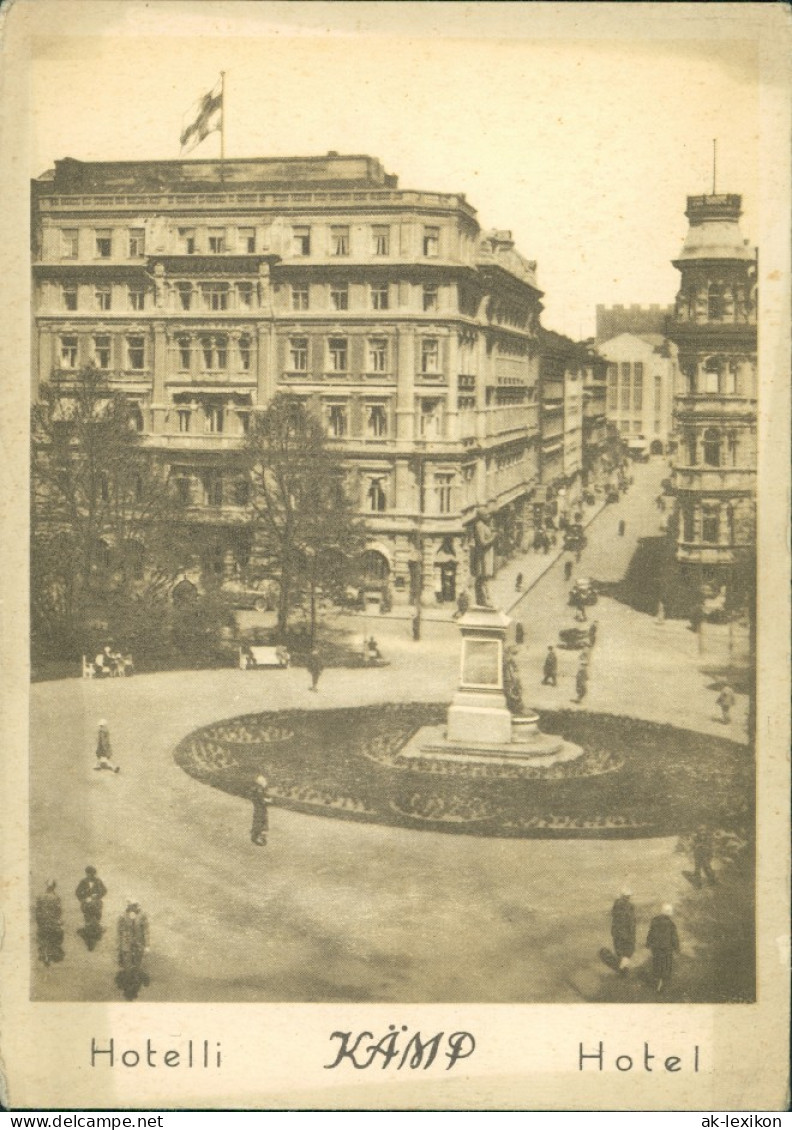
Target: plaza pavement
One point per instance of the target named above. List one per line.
(333, 910)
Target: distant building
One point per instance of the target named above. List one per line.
(638, 320)
(202, 288)
(641, 377)
(714, 329)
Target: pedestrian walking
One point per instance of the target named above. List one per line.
(133, 945)
(315, 666)
(550, 670)
(581, 683)
(725, 701)
(261, 802)
(663, 941)
(518, 583)
(623, 930)
(519, 633)
(567, 568)
(90, 893)
(593, 632)
(703, 847)
(580, 606)
(104, 751)
(49, 925)
(622, 528)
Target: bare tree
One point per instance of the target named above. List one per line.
(303, 518)
(105, 525)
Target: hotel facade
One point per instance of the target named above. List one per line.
(201, 289)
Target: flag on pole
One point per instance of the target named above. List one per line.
(205, 117)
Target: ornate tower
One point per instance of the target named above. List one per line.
(714, 328)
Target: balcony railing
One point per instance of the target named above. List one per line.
(715, 478)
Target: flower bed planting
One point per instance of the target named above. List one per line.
(635, 778)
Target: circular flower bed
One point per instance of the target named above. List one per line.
(635, 778)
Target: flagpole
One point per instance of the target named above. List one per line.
(222, 115)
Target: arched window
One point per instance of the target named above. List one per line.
(712, 447)
(375, 566)
(710, 523)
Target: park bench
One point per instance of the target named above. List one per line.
(254, 655)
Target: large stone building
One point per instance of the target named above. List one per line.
(202, 288)
(714, 329)
(641, 373)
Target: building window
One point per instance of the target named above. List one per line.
(339, 296)
(137, 243)
(69, 297)
(658, 393)
(184, 416)
(431, 242)
(300, 297)
(214, 352)
(377, 354)
(733, 448)
(214, 419)
(185, 353)
(430, 297)
(137, 298)
(687, 524)
(136, 352)
(710, 524)
(70, 241)
(215, 296)
(104, 243)
(216, 241)
(245, 295)
(380, 237)
(68, 352)
(247, 240)
(730, 378)
(613, 387)
(380, 297)
(716, 302)
(298, 354)
(103, 296)
(339, 240)
(375, 496)
(337, 420)
(712, 447)
(244, 353)
(301, 241)
(376, 421)
(337, 348)
(430, 356)
(183, 488)
(213, 489)
(185, 293)
(638, 386)
(442, 488)
(187, 240)
(429, 423)
(101, 351)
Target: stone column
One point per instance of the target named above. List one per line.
(405, 387)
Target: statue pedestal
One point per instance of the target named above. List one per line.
(478, 712)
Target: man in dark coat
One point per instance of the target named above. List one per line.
(261, 800)
(90, 892)
(133, 936)
(550, 668)
(315, 667)
(703, 848)
(623, 930)
(663, 941)
(581, 683)
(49, 925)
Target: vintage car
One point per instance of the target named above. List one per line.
(574, 638)
(259, 595)
(574, 538)
(582, 592)
(612, 494)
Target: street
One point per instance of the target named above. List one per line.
(332, 910)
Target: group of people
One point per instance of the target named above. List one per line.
(550, 666)
(132, 929)
(112, 664)
(662, 940)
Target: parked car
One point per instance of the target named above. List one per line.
(582, 592)
(574, 538)
(245, 595)
(612, 494)
(573, 638)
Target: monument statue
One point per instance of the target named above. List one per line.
(512, 683)
(483, 539)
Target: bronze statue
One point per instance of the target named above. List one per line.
(483, 538)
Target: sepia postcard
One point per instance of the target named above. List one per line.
(395, 604)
